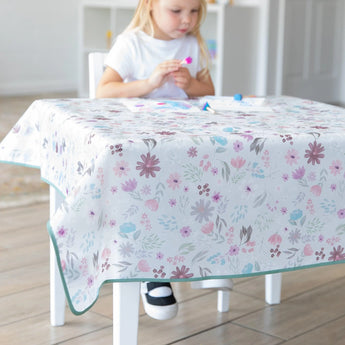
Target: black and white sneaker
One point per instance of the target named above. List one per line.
(159, 301)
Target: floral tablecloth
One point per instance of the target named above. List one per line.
(183, 196)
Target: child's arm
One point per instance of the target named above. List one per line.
(202, 85)
(112, 85)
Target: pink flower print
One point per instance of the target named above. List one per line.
(207, 166)
(172, 202)
(146, 190)
(238, 146)
(207, 228)
(192, 152)
(292, 157)
(63, 265)
(112, 222)
(275, 239)
(159, 256)
(238, 162)
(337, 254)
(181, 273)
(341, 213)
(248, 189)
(248, 137)
(186, 231)
(174, 181)
(121, 168)
(308, 250)
(283, 210)
(335, 168)
(62, 232)
(214, 171)
(314, 154)
(316, 190)
(106, 253)
(143, 266)
(216, 197)
(148, 166)
(113, 189)
(234, 250)
(298, 173)
(90, 281)
(152, 204)
(333, 187)
(285, 177)
(312, 176)
(129, 186)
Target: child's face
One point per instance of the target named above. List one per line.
(174, 18)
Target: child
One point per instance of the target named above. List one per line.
(146, 61)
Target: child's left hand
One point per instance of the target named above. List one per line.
(182, 78)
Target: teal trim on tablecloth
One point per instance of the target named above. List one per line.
(21, 164)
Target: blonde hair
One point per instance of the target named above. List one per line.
(142, 20)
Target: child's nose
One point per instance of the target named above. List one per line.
(187, 18)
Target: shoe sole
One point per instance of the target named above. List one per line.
(166, 312)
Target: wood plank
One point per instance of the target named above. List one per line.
(24, 278)
(332, 333)
(37, 330)
(301, 313)
(23, 217)
(230, 334)
(24, 256)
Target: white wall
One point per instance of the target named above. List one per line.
(38, 46)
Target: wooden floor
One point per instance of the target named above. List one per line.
(312, 309)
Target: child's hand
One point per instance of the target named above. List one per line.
(162, 72)
(182, 78)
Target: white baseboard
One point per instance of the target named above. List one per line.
(36, 87)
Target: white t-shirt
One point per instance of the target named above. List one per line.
(135, 55)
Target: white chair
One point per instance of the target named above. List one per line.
(96, 69)
(126, 296)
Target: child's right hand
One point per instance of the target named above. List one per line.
(161, 73)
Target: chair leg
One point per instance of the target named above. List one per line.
(223, 302)
(273, 283)
(126, 298)
(57, 293)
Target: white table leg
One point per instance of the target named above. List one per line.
(57, 294)
(273, 283)
(126, 298)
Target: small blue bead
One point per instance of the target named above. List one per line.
(238, 97)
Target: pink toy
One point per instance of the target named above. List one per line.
(187, 61)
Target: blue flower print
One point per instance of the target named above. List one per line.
(126, 228)
(296, 214)
(248, 268)
(221, 140)
(228, 129)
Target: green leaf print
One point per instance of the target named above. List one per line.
(186, 248)
(151, 241)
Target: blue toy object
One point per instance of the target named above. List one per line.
(238, 97)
